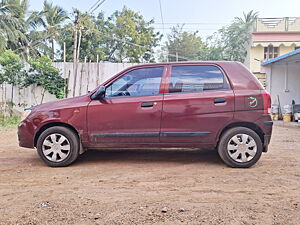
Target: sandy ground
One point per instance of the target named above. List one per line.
(132, 187)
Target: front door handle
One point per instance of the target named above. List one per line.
(219, 100)
(147, 104)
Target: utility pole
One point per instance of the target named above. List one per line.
(76, 22)
(176, 56)
(65, 75)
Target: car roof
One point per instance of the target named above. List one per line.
(187, 63)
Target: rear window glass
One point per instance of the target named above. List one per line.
(196, 79)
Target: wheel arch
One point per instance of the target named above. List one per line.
(249, 125)
(53, 124)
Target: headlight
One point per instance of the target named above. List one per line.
(26, 113)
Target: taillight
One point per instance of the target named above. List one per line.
(267, 102)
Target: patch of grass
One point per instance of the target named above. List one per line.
(9, 122)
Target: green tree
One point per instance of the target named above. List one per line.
(130, 37)
(182, 46)
(92, 38)
(10, 26)
(32, 41)
(53, 18)
(248, 19)
(42, 73)
(232, 42)
(12, 70)
(125, 36)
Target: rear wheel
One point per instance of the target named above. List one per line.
(58, 146)
(240, 147)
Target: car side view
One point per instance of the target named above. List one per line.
(204, 105)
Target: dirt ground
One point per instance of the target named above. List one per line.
(133, 187)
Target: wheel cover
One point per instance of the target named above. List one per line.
(241, 148)
(56, 147)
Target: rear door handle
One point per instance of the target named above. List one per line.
(147, 104)
(219, 100)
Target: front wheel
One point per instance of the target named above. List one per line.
(58, 146)
(240, 147)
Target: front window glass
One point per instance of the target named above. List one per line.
(139, 82)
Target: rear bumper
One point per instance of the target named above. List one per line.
(26, 134)
(267, 139)
(268, 123)
(267, 126)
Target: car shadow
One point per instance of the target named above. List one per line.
(150, 155)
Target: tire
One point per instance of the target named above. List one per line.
(240, 147)
(58, 146)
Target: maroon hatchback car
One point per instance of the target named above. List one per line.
(205, 105)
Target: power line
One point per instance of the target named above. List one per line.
(161, 15)
(95, 6)
(141, 46)
(185, 28)
(98, 6)
(193, 23)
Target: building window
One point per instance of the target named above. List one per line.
(270, 52)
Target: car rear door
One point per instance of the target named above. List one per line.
(198, 103)
(131, 110)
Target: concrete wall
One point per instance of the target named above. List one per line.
(257, 52)
(284, 80)
(88, 77)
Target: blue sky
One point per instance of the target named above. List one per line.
(212, 14)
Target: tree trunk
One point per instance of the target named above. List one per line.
(79, 43)
(12, 94)
(2, 103)
(53, 50)
(75, 46)
(44, 90)
(75, 60)
(27, 53)
(4, 100)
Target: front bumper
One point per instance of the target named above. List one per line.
(26, 134)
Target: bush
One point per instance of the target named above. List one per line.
(44, 74)
(9, 122)
(12, 69)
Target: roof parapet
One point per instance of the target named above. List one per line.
(279, 24)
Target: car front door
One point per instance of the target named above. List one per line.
(131, 110)
(198, 103)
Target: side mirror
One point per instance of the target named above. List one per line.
(99, 93)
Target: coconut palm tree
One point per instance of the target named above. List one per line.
(54, 17)
(248, 18)
(31, 42)
(9, 24)
(243, 27)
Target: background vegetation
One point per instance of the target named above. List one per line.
(124, 36)
(31, 40)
